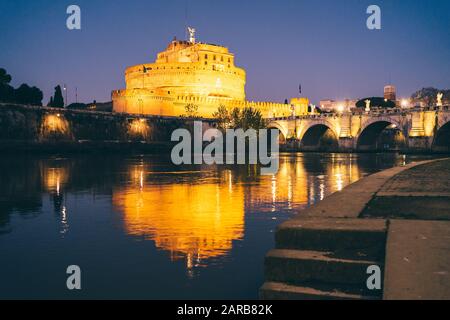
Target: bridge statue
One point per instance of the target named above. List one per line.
(367, 105)
(439, 99)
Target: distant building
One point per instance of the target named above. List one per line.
(390, 92)
(100, 106)
(345, 105)
(388, 101)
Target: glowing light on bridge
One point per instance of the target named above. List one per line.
(404, 103)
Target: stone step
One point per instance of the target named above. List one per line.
(283, 291)
(299, 266)
(350, 238)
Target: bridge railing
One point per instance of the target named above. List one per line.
(373, 112)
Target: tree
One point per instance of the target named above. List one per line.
(191, 110)
(58, 100)
(28, 95)
(236, 118)
(252, 118)
(36, 96)
(245, 118)
(5, 78)
(6, 91)
(223, 117)
(23, 95)
(427, 96)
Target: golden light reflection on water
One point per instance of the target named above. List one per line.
(190, 220)
(199, 219)
(55, 179)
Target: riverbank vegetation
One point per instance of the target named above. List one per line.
(24, 94)
(237, 118)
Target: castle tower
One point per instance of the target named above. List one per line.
(187, 73)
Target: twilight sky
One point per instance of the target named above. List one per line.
(322, 44)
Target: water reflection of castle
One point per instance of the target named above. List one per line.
(195, 216)
(193, 221)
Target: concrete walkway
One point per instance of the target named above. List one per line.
(417, 204)
(417, 260)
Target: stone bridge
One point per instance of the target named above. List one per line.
(416, 129)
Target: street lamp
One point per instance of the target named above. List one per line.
(65, 94)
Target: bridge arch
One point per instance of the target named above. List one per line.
(443, 119)
(282, 129)
(441, 141)
(319, 135)
(370, 135)
(316, 122)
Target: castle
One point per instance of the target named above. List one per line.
(195, 75)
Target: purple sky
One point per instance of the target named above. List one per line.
(322, 44)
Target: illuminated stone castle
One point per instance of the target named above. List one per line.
(190, 73)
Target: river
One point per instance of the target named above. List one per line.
(140, 227)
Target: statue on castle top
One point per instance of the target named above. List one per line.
(439, 99)
(191, 34)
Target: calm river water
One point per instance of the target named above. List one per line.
(140, 227)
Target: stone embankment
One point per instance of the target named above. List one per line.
(397, 219)
(44, 129)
